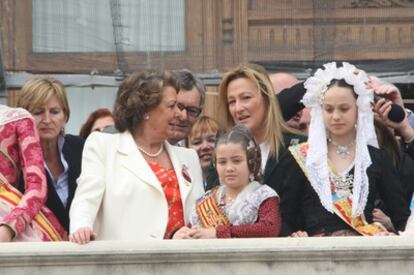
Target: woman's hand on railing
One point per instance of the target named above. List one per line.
(6, 234)
(182, 233)
(82, 236)
(198, 232)
(379, 216)
(299, 234)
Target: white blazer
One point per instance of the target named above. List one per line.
(119, 196)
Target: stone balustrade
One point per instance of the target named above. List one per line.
(340, 255)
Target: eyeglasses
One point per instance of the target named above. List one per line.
(191, 110)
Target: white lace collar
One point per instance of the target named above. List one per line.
(245, 208)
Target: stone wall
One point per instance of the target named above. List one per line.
(346, 255)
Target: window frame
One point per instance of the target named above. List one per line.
(103, 62)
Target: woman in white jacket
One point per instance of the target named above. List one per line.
(134, 185)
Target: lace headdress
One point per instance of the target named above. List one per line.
(317, 159)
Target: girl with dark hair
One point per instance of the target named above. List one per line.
(240, 207)
(341, 166)
(246, 97)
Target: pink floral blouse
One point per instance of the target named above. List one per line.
(19, 138)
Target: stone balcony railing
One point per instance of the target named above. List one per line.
(343, 255)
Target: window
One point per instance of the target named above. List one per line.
(81, 36)
(61, 26)
(83, 101)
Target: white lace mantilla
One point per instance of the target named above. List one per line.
(317, 160)
(244, 209)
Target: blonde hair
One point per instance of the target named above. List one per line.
(37, 91)
(273, 125)
(201, 125)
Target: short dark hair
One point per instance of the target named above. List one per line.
(186, 81)
(137, 95)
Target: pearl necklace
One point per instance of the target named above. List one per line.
(156, 154)
(342, 150)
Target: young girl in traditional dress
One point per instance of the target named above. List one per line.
(240, 207)
(343, 169)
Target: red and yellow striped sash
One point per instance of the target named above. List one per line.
(342, 206)
(11, 196)
(209, 213)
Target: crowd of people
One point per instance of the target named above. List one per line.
(330, 156)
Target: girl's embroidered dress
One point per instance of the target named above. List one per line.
(341, 189)
(254, 213)
(331, 203)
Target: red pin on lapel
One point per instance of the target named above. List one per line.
(184, 172)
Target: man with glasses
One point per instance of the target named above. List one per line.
(190, 102)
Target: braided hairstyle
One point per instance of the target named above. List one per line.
(240, 134)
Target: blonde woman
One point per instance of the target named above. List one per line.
(246, 97)
(202, 139)
(45, 98)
